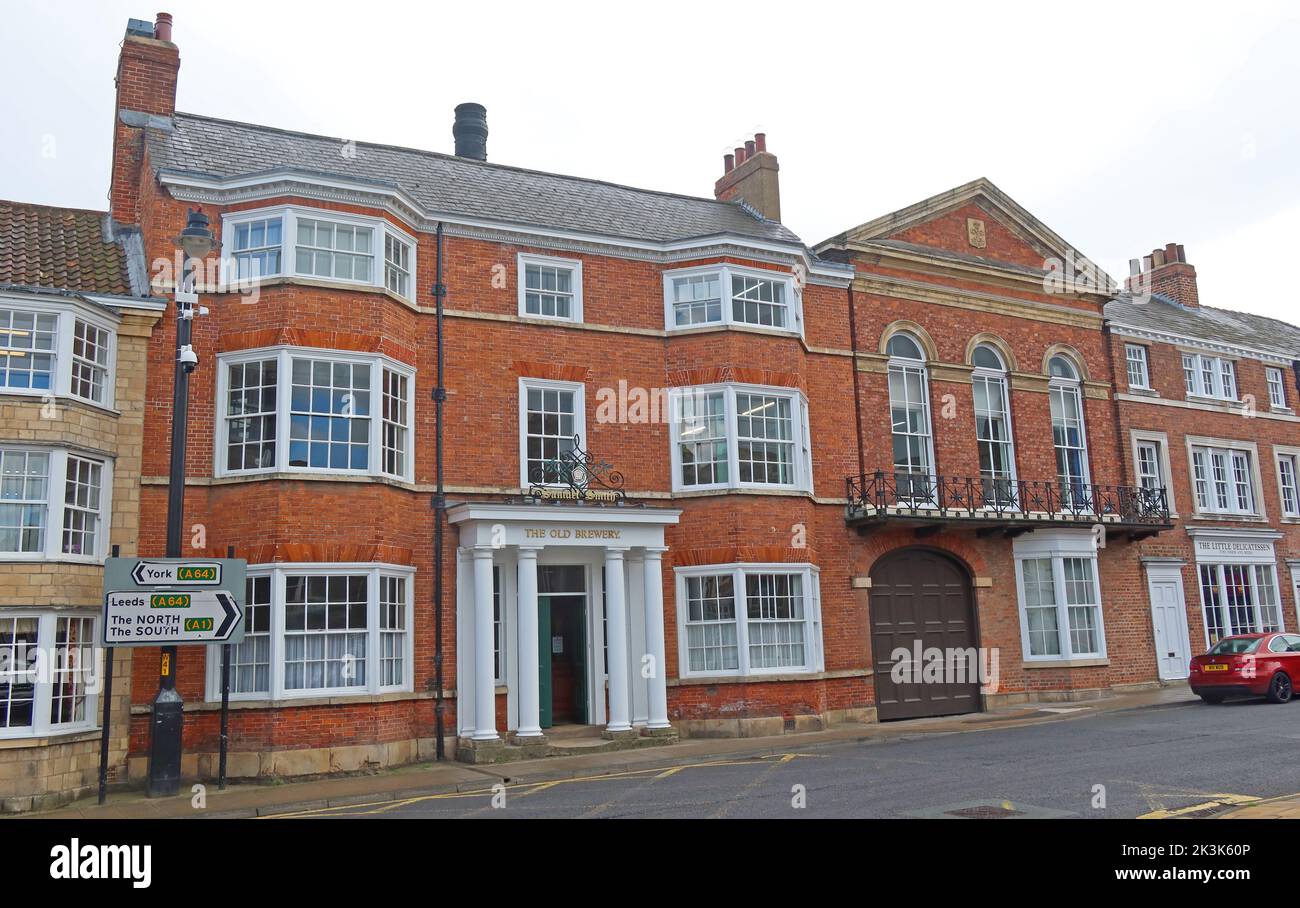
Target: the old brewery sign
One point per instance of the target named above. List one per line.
(576, 476)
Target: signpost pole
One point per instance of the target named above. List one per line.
(225, 703)
(107, 694)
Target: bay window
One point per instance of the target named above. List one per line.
(53, 504)
(1060, 598)
(50, 350)
(48, 672)
(740, 436)
(327, 401)
(731, 295)
(321, 630)
(325, 245)
(749, 619)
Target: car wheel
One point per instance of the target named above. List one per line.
(1213, 699)
(1279, 689)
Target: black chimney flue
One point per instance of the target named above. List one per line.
(471, 131)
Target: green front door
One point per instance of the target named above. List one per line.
(562, 659)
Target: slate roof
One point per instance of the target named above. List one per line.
(62, 249)
(448, 185)
(1224, 325)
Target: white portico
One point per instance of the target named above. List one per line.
(559, 607)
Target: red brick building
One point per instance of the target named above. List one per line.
(652, 405)
(1207, 403)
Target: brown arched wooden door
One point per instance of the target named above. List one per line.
(921, 595)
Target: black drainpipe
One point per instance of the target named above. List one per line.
(440, 511)
(857, 385)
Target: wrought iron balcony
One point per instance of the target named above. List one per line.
(1012, 506)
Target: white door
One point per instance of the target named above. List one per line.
(1169, 618)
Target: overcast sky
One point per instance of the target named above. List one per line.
(1122, 126)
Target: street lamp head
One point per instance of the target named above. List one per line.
(197, 239)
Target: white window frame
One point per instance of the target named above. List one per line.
(279, 572)
(725, 272)
(289, 214)
(1059, 546)
(46, 630)
(66, 316)
(1289, 456)
(1229, 450)
(55, 490)
(284, 356)
(1073, 388)
(1136, 359)
(1140, 437)
(989, 375)
(579, 415)
(1208, 369)
(1276, 381)
(1252, 571)
(739, 571)
(524, 259)
(801, 466)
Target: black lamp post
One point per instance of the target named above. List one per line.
(195, 242)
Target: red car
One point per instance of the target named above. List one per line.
(1248, 665)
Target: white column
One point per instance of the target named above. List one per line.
(636, 635)
(616, 619)
(654, 637)
(529, 710)
(485, 691)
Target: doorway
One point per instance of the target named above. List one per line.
(563, 687)
(1169, 622)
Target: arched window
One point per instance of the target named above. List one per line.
(909, 409)
(1068, 432)
(993, 427)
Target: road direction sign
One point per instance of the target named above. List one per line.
(173, 601)
(177, 573)
(171, 617)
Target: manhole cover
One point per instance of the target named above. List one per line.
(984, 812)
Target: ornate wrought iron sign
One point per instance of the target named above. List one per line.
(576, 476)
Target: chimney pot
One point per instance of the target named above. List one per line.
(162, 27)
(1182, 253)
(1147, 264)
(760, 141)
(728, 163)
(1158, 257)
(1171, 253)
(470, 131)
(750, 149)
(739, 152)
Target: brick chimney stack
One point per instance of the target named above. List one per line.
(750, 174)
(1166, 272)
(147, 68)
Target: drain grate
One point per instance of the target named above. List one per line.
(984, 812)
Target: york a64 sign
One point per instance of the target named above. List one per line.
(169, 617)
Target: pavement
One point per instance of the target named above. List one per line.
(402, 790)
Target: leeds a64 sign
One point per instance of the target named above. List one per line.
(173, 601)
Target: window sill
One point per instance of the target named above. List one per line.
(1144, 392)
(740, 490)
(60, 559)
(1236, 518)
(1065, 663)
(792, 675)
(1285, 411)
(534, 318)
(288, 476)
(365, 696)
(60, 400)
(1222, 402)
(675, 330)
(84, 733)
(299, 280)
